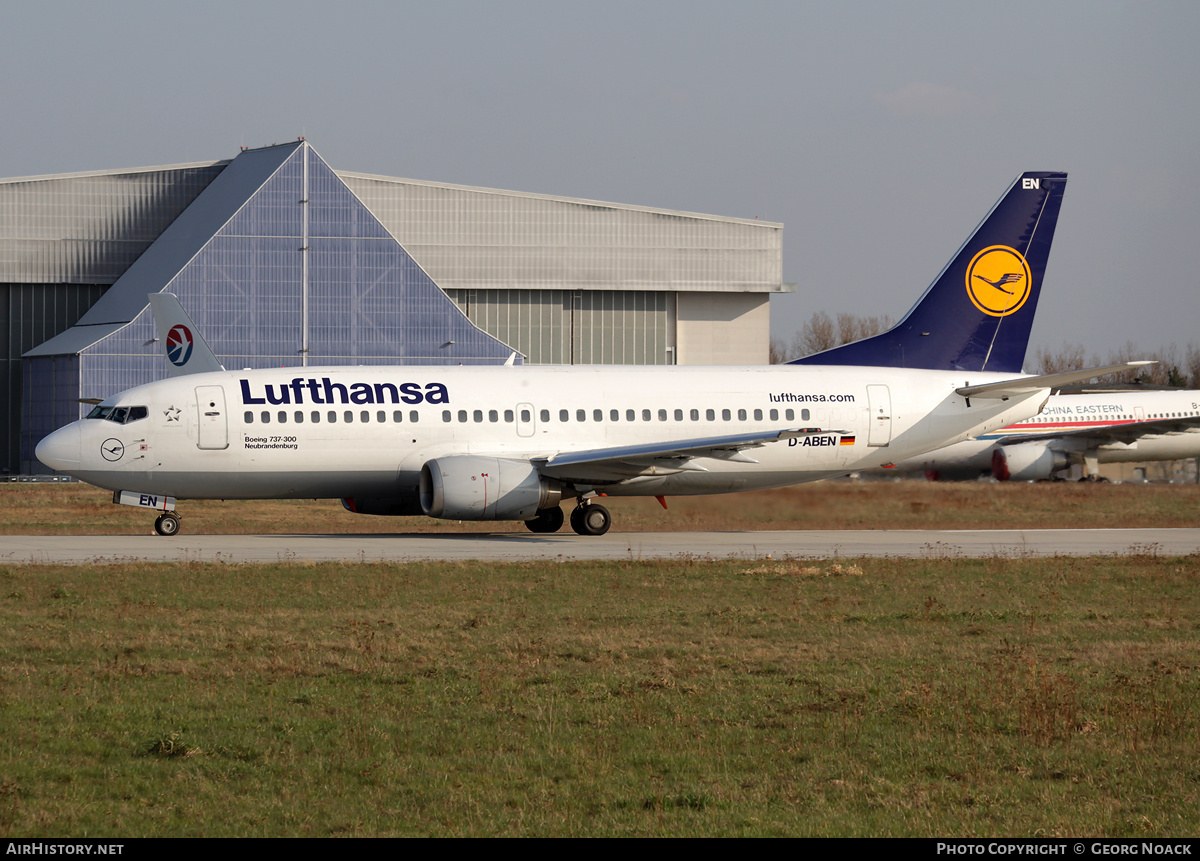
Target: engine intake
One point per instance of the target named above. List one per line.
(468, 487)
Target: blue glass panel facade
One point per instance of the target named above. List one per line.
(301, 261)
(49, 400)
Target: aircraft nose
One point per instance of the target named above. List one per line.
(60, 450)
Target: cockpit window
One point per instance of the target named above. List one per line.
(120, 415)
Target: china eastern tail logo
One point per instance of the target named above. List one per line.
(998, 280)
(179, 345)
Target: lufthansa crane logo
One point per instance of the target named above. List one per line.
(179, 345)
(998, 280)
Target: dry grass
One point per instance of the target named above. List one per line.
(71, 509)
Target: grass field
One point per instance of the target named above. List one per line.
(39, 509)
(884, 697)
(1055, 697)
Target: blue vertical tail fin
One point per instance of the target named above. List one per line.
(977, 314)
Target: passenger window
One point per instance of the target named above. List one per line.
(462, 415)
(789, 414)
(725, 415)
(741, 415)
(316, 417)
(774, 415)
(445, 415)
(413, 416)
(564, 416)
(662, 415)
(630, 415)
(645, 415)
(598, 415)
(508, 415)
(299, 417)
(526, 416)
(805, 414)
(614, 415)
(249, 417)
(282, 417)
(397, 416)
(580, 415)
(348, 416)
(332, 416)
(678, 415)
(381, 416)
(266, 417)
(758, 415)
(477, 415)
(493, 416)
(695, 415)
(545, 415)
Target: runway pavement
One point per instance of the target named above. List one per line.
(566, 546)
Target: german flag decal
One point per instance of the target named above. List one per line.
(847, 440)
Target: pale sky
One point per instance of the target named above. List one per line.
(879, 134)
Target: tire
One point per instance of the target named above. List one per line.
(547, 520)
(167, 524)
(591, 519)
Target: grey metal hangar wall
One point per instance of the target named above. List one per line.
(283, 261)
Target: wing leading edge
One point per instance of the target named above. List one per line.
(1128, 432)
(620, 463)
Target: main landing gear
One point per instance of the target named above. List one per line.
(546, 520)
(167, 523)
(590, 518)
(587, 518)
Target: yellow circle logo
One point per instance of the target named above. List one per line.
(998, 280)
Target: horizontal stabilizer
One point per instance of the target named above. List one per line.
(1028, 385)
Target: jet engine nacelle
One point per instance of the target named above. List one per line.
(468, 487)
(1027, 462)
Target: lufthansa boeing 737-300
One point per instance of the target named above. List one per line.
(511, 442)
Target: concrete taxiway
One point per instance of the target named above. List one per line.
(566, 546)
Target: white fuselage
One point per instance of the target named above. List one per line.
(367, 430)
(1074, 415)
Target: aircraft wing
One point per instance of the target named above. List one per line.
(1126, 433)
(620, 463)
(1026, 385)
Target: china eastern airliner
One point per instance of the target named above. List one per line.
(1086, 429)
(514, 442)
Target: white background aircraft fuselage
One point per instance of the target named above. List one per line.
(1109, 427)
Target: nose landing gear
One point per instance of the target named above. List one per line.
(167, 523)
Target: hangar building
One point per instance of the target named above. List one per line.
(282, 260)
